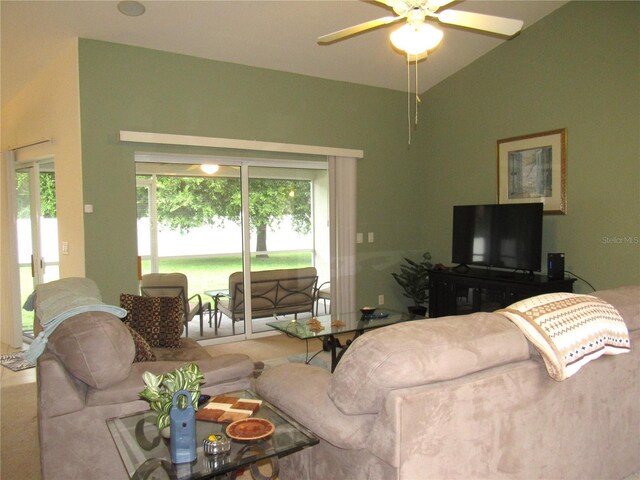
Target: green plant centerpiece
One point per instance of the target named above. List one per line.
(159, 390)
(414, 279)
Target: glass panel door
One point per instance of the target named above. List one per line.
(37, 233)
(281, 220)
(189, 221)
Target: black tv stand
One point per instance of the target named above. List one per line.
(515, 275)
(456, 292)
(462, 268)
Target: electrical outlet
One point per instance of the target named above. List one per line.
(380, 299)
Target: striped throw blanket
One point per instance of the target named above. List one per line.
(569, 330)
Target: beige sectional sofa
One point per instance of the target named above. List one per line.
(463, 397)
(87, 375)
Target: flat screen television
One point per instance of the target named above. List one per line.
(501, 236)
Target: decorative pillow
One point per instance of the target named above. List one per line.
(158, 319)
(569, 330)
(143, 350)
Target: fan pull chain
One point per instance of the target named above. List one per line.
(417, 90)
(409, 97)
(417, 98)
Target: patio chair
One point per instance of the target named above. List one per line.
(176, 285)
(323, 292)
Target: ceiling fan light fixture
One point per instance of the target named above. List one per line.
(416, 38)
(209, 168)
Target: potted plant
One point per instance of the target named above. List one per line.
(414, 280)
(159, 390)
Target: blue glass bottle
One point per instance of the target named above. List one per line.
(183, 430)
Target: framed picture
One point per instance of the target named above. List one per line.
(533, 168)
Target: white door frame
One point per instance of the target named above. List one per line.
(37, 264)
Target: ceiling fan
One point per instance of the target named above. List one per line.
(416, 12)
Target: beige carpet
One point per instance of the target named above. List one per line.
(19, 450)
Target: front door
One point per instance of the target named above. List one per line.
(37, 230)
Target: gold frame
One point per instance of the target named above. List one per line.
(533, 168)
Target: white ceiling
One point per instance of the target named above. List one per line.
(280, 35)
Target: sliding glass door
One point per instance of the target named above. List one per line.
(282, 223)
(241, 216)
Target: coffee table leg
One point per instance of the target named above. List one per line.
(334, 344)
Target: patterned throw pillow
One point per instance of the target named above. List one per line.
(158, 319)
(569, 330)
(143, 350)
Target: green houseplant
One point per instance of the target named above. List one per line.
(159, 390)
(414, 280)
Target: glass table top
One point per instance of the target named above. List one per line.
(351, 322)
(142, 448)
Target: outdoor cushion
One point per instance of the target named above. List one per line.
(421, 352)
(94, 347)
(159, 320)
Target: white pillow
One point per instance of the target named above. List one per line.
(569, 330)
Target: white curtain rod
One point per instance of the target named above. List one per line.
(46, 140)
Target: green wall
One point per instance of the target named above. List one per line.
(579, 69)
(130, 88)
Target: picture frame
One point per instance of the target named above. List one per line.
(533, 168)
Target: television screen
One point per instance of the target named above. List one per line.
(501, 236)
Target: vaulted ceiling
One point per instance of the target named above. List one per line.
(280, 35)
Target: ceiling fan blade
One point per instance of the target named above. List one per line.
(388, 3)
(439, 3)
(347, 32)
(478, 21)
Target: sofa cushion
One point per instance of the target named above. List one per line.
(220, 370)
(95, 347)
(190, 350)
(421, 352)
(627, 301)
(311, 406)
(144, 353)
(160, 320)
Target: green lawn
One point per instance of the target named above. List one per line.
(212, 273)
(204, 273)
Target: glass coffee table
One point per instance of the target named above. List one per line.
(337, 324)
(146, 454)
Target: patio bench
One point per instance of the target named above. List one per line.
(273, 292)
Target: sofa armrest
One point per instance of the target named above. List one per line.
(216, 370)
(309, 404)
(63, 393)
